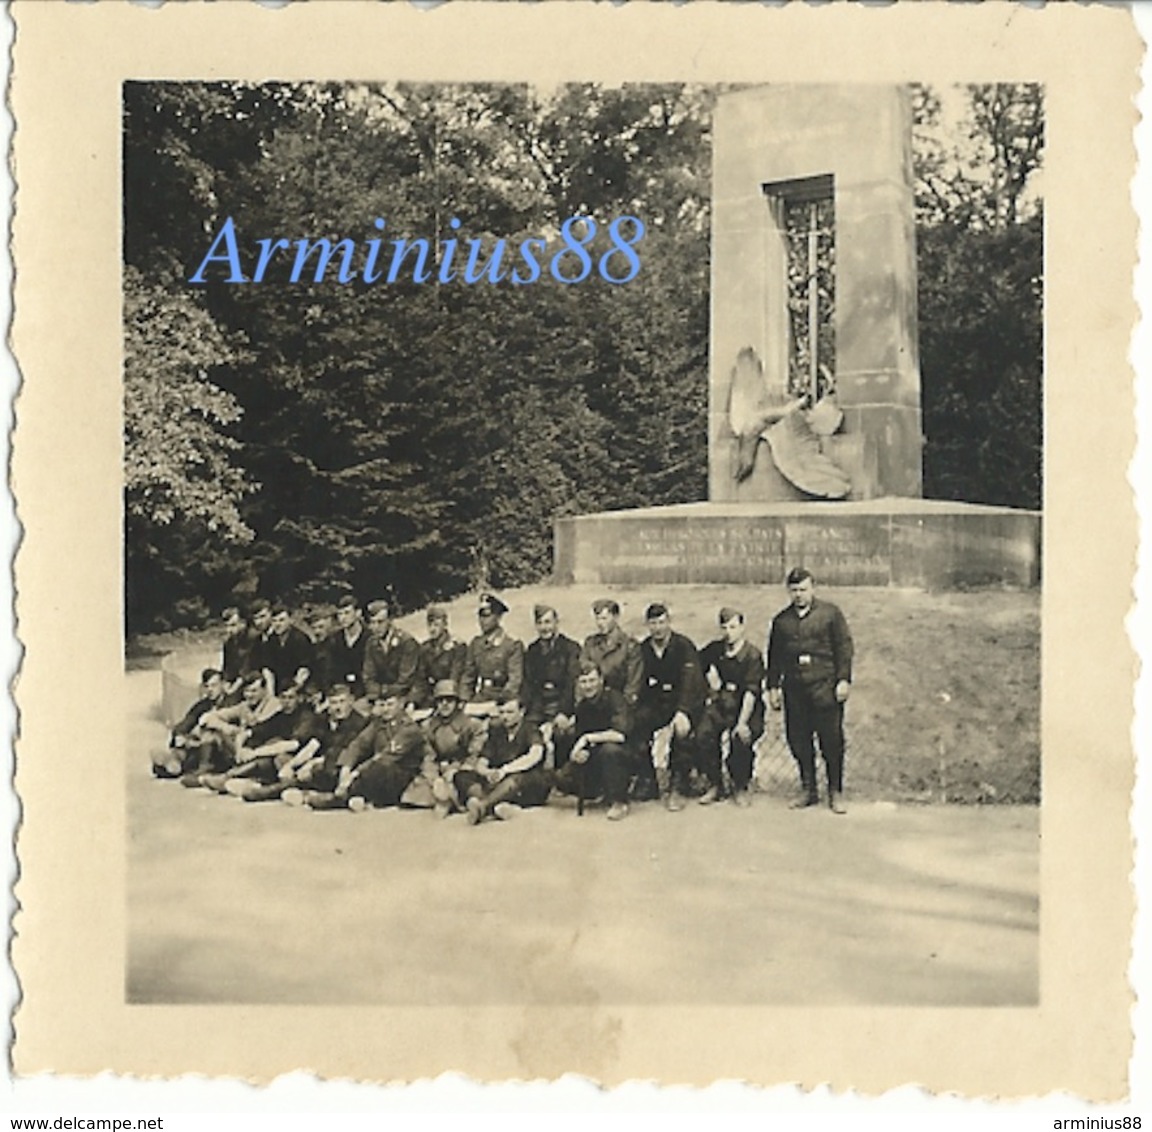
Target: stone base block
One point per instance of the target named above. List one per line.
(915, 543)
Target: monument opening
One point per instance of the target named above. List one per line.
(804, 215)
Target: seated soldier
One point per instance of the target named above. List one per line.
(617, 654)
(456, 740)
(669, 708)
(391, 656)
(341, 653)
(599, 762)
(183, 755)
(269, 746)
(734, 712)
(381, 762)
(225, 730)
(509, 773)
(551, 666)
(287, 652)
(494, 661)
(441, 656)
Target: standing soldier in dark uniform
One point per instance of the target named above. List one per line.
(381, 762)
(599, 761)
(259, 626)
(441, 656)
(494, 662)
(670, 707)
(510, 771)
(810, 675)
(342, 651)
(551, 665)
(391, 656)
(615, 653)
(236, 656)
(734, 674)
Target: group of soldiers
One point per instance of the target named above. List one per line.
(367, 716)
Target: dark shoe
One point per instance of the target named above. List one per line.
(192, 781)
(836, 803)
(742, 798)
(645, 790)
(805, 802)
(217, 782)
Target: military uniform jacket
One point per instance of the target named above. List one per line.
(343, 663)
(618, 656)
(810, 653)
(609, 711)
(440, 660)
(493, 664)
(738, 674)
(672, 682)
(550, 671)
(500, 748)
(455, 740)
(391, 660)
(400, 742)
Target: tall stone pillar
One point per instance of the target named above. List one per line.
(766, 141)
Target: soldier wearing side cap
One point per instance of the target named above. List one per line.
(494, 661)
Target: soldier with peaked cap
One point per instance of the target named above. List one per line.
(810, 675)
(441, 655)
(615, 653)
(391, 656)
(734, 673)
(494, 661)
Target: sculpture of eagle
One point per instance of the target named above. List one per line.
(792, 429)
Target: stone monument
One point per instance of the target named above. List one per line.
(814, 378)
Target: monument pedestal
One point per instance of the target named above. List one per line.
(916, 543)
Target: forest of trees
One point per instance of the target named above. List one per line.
(300, 440)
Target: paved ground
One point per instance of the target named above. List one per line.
(237, 903)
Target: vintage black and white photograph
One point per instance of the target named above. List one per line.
(582, 543)
(578, 542)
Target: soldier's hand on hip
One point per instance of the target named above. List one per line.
(842, 689)
(775, 699)
(681, 725)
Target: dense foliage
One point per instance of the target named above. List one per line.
(299, 439)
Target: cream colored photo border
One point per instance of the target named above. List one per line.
(69, 949)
